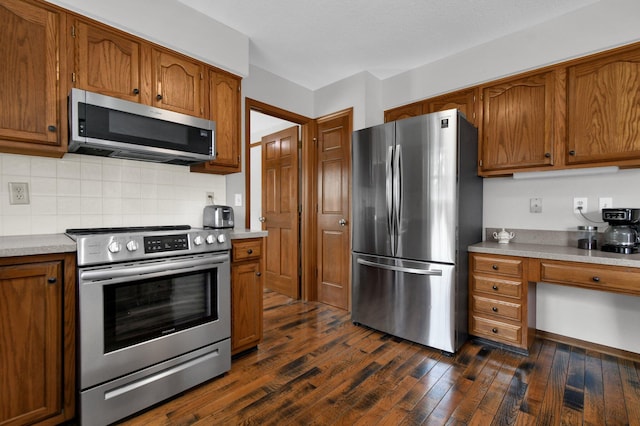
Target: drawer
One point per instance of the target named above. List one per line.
(497, 286)
(498, 308)
(496, 330)
(246, 249)
(498, 265)
(597, 277)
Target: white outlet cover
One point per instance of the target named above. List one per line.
(18, 193)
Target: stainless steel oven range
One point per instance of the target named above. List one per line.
(153, 315)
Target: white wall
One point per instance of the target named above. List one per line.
(80, 191)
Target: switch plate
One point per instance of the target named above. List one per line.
(18, 193)
(580, 202)
(605, 203)
(535, 205)
(238, 200)
(210, 198)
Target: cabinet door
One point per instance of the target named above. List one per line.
(405, 111)
(107, 62)
(29, 91)
(224, 103)
(464, 100)
(518, 123)
(31, 342)
(178, 83)
(604, 109)
(246, 302)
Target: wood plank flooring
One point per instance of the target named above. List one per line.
(314, 367)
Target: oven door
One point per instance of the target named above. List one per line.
(136, 314)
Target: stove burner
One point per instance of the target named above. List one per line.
(123, 229)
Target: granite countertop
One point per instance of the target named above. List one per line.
(238, 234)
(557, 252)
(26, 245)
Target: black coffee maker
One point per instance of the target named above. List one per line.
(623, 233)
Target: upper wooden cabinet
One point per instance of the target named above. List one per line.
(604, 109)
(32, 97)
(405, 111)
(109, 62)
(463, 100)
(518, 119)
(224, 107)
(178, 83)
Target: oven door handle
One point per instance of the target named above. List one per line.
(159, 267)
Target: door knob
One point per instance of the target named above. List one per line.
(262, 219)
(342, 222)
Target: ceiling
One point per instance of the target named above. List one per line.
(317, 42)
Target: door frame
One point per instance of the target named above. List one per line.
(307, 187)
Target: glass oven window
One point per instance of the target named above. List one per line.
(138, 311)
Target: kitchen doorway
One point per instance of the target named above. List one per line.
(317, 137)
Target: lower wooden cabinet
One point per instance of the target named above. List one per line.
(501, 300)
(37, 335)
(246, 294)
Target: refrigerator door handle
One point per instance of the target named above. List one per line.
(389, 195)
(397, 190)
(417, 271)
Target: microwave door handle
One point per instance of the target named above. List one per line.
(417, 271)
(389, 197)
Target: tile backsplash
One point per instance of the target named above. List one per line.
(80, 191)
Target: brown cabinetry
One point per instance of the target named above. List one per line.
(246, 294)
(178, 83)
(32, 97)
(109, 62)
(224, 109)
(37, 356)
(464, 100)
(595, 277)
(603, 109)
(519, 122)
(501, 301)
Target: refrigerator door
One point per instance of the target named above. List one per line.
(425, 166)
(408, 299)
(372, 154)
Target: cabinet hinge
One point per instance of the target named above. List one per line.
(73, 31)
(480, 163)
(474, 99)
(300, 144)
(201, 77)
(73, 77)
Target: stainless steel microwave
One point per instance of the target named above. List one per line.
(111, 127)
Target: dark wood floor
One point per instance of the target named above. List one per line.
(315, 367)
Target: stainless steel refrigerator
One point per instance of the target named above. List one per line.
(417, 205)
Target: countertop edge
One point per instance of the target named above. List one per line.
(240, 234)
(553, 252)
(30, 245)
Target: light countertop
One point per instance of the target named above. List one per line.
(26, 245)
(556, 252)
(238, 234)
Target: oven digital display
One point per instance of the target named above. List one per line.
(162, 243)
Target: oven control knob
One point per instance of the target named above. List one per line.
(198, 240)
(132, 245)
(114, 247)
(211, 239)
(221, 239)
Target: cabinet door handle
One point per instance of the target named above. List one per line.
(547, 155)
(52, 128)
(52, 280)
(495, 287)
(136, 91)
(259, 274)
(159, 97)
(494, 309)
(249, 251)
(494, 330)
(572, 152)
(596, 279)
(494, 267)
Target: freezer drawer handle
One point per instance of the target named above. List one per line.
(401, 269)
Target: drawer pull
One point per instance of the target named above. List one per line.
(494, 309)
(495, 267)
(495, 287)
(494, 330)
(596, 279)
(249, 251)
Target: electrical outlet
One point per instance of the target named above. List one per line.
(535, 205)
(18, 193)
(605, 203)
(210, 199)
(580, 205)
